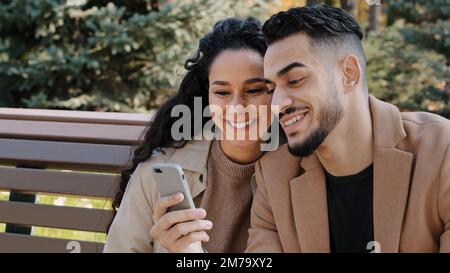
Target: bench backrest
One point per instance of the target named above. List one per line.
(58, 152)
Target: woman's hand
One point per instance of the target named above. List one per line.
(180, 231)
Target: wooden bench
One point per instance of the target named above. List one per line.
(69, 153)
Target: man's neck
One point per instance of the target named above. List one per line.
(348, 149)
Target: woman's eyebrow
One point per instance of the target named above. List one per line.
(258, 79)
(221, 83)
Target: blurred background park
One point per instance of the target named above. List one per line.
(127, 56)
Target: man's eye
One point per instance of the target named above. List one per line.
(270, 91)
(295, 81)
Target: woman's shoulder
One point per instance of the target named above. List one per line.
(192, 156)
(159, 155)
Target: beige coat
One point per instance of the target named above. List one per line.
(411, 202)
(130, 230)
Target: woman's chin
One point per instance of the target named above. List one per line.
(243, 144)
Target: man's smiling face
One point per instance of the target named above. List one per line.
(305, 91)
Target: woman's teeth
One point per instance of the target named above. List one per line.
(240, 125)
(294, 119)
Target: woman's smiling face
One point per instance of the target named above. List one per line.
(238, 96)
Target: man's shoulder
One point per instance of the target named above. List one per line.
(426, 134)
(274, 156)
(279, 161)
(426, 119)
(423, 125)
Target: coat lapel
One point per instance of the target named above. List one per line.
(309, 202)
(392, 170)
(392, 175)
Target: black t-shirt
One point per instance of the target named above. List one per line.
(350, 211)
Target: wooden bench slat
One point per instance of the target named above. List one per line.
(29, 214)
(19, 243)
(100, 143)
(74, 132)
(75, 116)
(53, 181)
(52, 153)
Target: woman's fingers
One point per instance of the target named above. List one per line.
(164, 223)
(165, 202)
(175, 217)
(181, 229)
(190, 238)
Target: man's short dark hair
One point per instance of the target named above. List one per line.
(317, 21)
(324, 25)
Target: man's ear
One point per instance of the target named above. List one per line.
(351, 72)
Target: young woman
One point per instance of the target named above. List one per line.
(228, 70)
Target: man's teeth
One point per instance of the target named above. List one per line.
(240, 125)
(294, 119)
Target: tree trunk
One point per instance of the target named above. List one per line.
(374, 18)
(351, 6)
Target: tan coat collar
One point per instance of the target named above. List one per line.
(193, 156)
(392, 168)
(392, 174)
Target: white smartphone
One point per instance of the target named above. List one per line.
(170, 179)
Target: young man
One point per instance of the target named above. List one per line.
(356, 175)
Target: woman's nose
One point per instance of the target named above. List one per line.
(238, 101)
(237, 108)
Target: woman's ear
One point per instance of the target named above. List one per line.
(351, 72)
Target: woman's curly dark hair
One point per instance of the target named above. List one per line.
(232, 33)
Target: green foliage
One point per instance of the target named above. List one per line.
(121, 56)
(427, 23)
(408, 63)
(417, 11)
(102, 55)
(412, 78)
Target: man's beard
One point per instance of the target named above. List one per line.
(329, 117)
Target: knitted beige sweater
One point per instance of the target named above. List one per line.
(227, 201)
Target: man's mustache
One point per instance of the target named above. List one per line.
(290, 110)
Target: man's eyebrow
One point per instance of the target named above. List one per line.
(259, 79)
(289, 67)
(221, 83)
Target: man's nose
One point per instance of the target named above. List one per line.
(280, 100)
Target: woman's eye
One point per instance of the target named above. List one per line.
(221, 93)
(255, 91)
